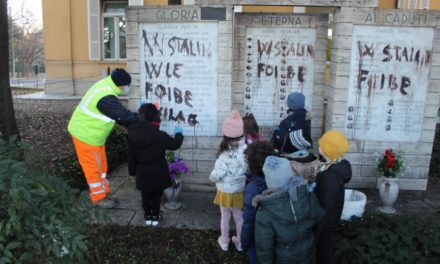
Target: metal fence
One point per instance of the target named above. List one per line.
(40, 94)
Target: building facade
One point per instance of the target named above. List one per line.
(83, 39)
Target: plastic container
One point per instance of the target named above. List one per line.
(354, 204)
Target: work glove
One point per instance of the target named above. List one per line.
(178, 130)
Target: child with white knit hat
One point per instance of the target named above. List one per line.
(229, 177)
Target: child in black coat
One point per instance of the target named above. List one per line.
(146, 159)
(330, 191)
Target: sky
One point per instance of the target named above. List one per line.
(33, 6)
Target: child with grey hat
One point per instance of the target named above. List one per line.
(287, 213)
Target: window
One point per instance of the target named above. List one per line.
(424, 4)
(113, 31)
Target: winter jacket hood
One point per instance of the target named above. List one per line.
(342, 169)
(272, 201)
(284, 228)
(142, 133)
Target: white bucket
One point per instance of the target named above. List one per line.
(354, 204)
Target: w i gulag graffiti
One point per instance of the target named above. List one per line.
(178, 63)
(278, 61)
(389, 77)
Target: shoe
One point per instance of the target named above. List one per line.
(223, 246)
(237, 243)
(148, 220)
(155, 219)
(106, 203)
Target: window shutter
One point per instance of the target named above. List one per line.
(94, 30)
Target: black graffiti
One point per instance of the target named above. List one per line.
(188, 98)
(167, 114)
(192, 120)
(189, 47)
(178, 95)
(269, 70)
(160, 91)
(365, 50)
(398, 53)
(377, 81)
(285, 48)
(155, 42)
(154, 69)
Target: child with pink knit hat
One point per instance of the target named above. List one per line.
(229, 177)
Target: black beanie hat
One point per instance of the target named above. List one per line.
(120, 77)
(150, 112)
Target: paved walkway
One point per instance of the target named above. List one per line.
(198, 211)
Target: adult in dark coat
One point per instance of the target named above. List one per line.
(256, 153)
(330, 191)
(146, 159)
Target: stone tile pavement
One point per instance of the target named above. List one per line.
(198, 211)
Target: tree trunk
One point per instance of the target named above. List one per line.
(8, 126)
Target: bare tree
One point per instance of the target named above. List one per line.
(8, 126)
(25, 40)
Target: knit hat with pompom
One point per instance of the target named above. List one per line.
(233, 125)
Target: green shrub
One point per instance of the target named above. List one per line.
(388, 240)
(41, 217)
(69, 168)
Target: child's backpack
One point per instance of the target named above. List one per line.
(296, 120)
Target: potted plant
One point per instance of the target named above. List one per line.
(177, 168)
(390, 164)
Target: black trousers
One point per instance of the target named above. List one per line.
(324, 246)
(151, 203)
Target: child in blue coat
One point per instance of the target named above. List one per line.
(255, 155)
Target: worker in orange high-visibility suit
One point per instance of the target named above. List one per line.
(91, 123)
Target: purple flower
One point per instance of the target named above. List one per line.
(177, 168)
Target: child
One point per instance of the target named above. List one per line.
(229, 176)
(146, 159)
(256, 154)
(287, 213)
(297, 119)
(330, 191)
(251, 129)
(304, 163)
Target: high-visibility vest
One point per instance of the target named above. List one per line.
(88, 124)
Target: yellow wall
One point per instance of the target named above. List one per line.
(434, 4)
(387, 4)
(155, 2)
(268, 9)
(66, 46)
(57, 38)
(80, 31)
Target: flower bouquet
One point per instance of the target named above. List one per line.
(390, 163)
(177, 168)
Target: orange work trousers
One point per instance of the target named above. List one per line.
(93, 162)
